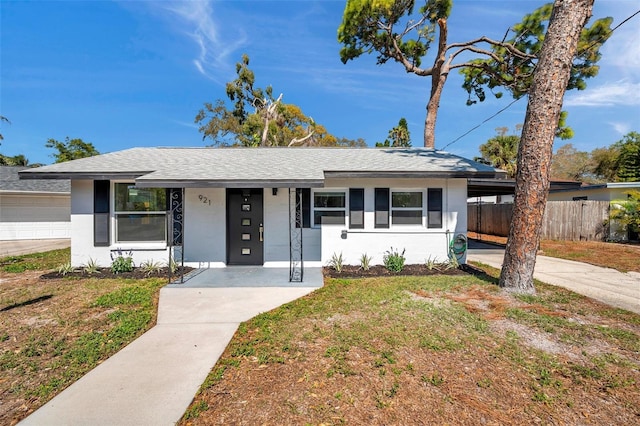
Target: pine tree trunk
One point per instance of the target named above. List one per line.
(534, 154)
(438, 79)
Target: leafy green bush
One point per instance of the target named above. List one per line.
(394, 260)
(121, 262)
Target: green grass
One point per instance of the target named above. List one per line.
(383, 318)
(132, 311)
(36, 261)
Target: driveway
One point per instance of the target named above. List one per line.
(18, 247)
(618, 289)
(153, 380)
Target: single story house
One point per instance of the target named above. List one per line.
(33, 209)
(610, 192)
(599, 192)
(276, 207)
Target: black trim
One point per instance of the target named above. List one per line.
(382, 208)
(305, 193)
(356, 208)
(101, 212)
(434, 205)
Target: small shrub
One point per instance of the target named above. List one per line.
(336, 262)
(431, 263)
(65, 269)
(149, 267)
(172, 265)
(91, 267)
(365, 262)
(394, 260)
(121, 262)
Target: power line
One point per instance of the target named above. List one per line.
(516, 100)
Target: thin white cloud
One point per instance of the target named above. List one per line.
(623, 93)
(197, 21)
(620, 128)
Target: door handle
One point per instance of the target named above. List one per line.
(261, 229)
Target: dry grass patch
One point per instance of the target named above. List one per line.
(428, 350)
(620, 256)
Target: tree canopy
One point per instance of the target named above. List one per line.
(257, 118)
(619, 162)
(397, 30)
(399, 136)
(71, 149)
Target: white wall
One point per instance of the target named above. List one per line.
(276, 232)
(34, 216)
(82, 248)
(205, 235)
(419, 242)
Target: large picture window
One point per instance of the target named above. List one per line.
(329, 208)
(140, 213)
(406, 208)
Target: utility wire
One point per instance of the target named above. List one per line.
(516, 100)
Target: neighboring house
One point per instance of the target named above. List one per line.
(33, 209)
(266, 206)
(600, 192)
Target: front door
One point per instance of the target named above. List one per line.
(245, 227)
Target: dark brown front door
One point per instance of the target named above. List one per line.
(245, 227)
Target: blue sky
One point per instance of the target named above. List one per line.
(122, 74)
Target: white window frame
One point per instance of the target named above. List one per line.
(345, 209)
(115, 214)
(421, 208)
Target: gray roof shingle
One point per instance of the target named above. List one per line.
(262, 166)
(10, 182)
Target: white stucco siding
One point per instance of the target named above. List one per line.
(276, 232)
(205, 223)
(418, 241)
(34, 216)
(82, 247)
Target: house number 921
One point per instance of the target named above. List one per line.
(204, 200)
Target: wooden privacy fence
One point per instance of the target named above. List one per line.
(563, 220)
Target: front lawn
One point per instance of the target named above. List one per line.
(428, 350)
(54, 331)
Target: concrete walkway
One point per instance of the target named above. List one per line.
(18, 247)
(606, 285)
(153, 380)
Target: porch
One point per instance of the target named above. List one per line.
(247, 276)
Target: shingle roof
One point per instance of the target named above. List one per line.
(10, 182)
(262, 166)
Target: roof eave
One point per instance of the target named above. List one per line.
(414, 174)
(82, 175)
(230, 183)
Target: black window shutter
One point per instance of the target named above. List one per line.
(356, 208)
(101, 200)
(434, 208)
(305, 193)
(382, 207)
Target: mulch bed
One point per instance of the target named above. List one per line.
(105, 273)
(350, 271)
